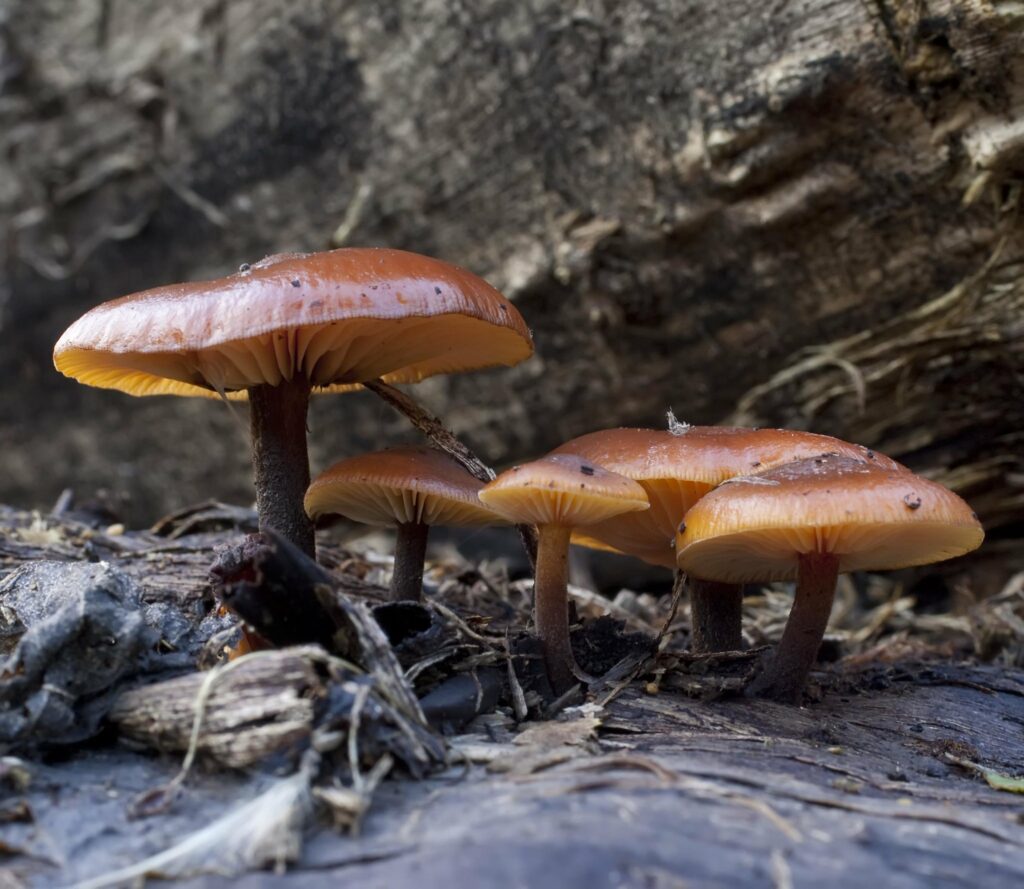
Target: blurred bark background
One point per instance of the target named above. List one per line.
(801, 213)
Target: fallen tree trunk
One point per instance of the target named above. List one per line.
(678, 196)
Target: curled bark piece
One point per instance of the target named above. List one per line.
(272, 586)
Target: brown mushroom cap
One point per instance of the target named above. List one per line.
(562, 489)
(340, 317)
(872, 518)
(676, 470)
(398, 486)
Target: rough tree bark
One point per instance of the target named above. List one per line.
(677, 195)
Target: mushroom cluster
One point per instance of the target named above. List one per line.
(676, 469)
(727, 506)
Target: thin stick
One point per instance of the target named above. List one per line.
(660, 641)
(444, 439)
(678, 585)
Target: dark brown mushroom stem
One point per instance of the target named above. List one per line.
(551, 606)
(445, 440)
(716, 616)
(277, 418)
(410, 551)
(786, 675)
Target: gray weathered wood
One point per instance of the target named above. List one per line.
(879, 781)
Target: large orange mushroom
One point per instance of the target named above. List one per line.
(809, 521)
(291, 324)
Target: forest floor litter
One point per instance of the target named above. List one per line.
(134, 749)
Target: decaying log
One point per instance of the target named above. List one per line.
(678, 196)
(892, 786)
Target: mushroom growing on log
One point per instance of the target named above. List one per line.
(409, 487)
(676, 468)
(558, 493)
(809, 521)
(285, 326)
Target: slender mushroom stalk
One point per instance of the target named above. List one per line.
(716, 616)
(409, 488)
(551, 605)
(558, 493)
(410, 554)
(277, 416)
(809, 521)
(787, 673)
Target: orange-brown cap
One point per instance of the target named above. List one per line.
(562, 489)
(400, 485)
(677, 469)
(340, 317)
(752, 528)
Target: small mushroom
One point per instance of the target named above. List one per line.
(676, 470)
(558, 493)
(287, 325)
(809, 521)
(409, 487)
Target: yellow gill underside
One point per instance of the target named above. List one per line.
(544, 506)
(373, 504)
(769, 554)
(649, 535)
(666, 557)
(335, 357)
